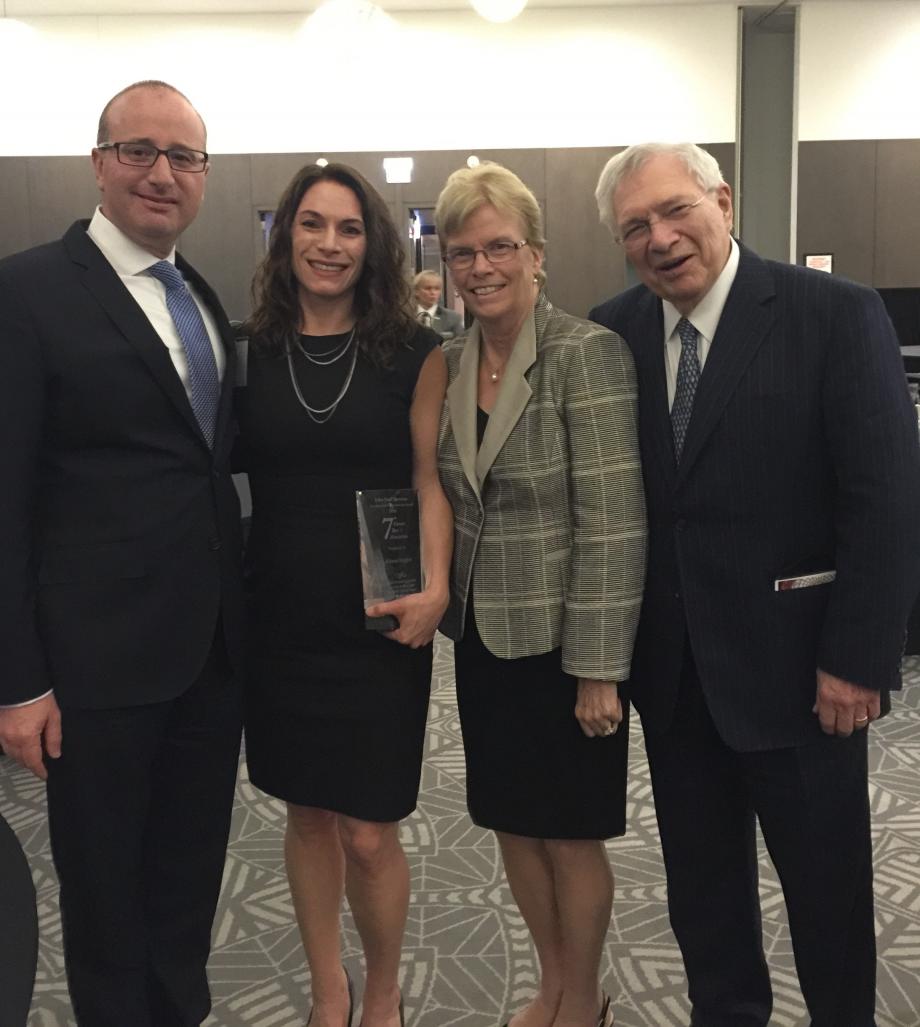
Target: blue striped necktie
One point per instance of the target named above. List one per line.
(202, 368)
(688, 377)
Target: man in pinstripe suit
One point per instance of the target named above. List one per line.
(782, 476)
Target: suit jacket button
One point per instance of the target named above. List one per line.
(213, 544)
(680, 525)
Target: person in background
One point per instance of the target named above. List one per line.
(782, 477)
(539, 459)
(121, 604)
(428, 310)
(344, 392)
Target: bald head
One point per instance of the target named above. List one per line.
(104, 129)
(152, 204)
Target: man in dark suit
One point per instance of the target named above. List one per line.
(428, 310)
(782, 476)
(120, 598)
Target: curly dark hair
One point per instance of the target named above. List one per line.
(381, 298)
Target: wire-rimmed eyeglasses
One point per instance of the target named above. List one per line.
(636, 233)
(463, 257)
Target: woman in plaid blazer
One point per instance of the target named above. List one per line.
(539, 459)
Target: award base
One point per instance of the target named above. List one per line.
(386, 623)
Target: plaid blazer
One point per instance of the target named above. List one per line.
(549, 512)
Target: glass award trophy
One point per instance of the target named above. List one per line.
(391, 560)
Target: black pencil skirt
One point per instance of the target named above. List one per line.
(530, 770)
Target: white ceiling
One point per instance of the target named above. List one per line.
(37, 8)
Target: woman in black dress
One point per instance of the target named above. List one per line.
(540, 461)
(344, 393)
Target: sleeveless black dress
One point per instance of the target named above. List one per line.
(335, 714)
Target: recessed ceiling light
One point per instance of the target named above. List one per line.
(397, 169)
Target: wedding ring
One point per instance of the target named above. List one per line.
(861, 720)
(609, 729)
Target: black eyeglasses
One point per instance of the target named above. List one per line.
(143, 155)
(497, 252)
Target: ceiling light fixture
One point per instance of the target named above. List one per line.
(334, 17)
(398, 170)
(498, 10)
(15, 34)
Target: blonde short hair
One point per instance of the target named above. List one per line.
(468, 189)
(422, 275)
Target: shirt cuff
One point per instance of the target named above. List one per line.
(28, 702)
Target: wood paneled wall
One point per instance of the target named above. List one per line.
(40, 197)
(860, 200)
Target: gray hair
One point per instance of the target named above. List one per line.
(702, 165)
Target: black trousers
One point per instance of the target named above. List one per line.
(813, 808)
(18, 931)
(139, 810)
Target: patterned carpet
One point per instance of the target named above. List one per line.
(467, 961)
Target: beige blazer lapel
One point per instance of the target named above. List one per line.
(462, 402)
(513, 396)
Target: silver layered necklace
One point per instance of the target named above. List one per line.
(319, 415)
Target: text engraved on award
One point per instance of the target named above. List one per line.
(391, 563)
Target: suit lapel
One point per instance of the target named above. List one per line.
(743, 326)
(462, 403)
(647, 338)
(513, 396)
(101, 280)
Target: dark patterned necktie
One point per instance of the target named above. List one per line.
(424, 318)
(688, 377)
(202, 369)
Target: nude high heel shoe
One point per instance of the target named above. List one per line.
(605, 1017)
(351, 999)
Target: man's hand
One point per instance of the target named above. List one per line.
(23, 729)
(843, 707)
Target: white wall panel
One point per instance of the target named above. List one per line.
(859, 70)
(271, 83)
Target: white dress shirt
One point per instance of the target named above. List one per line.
(704, 317)
(130, 263)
